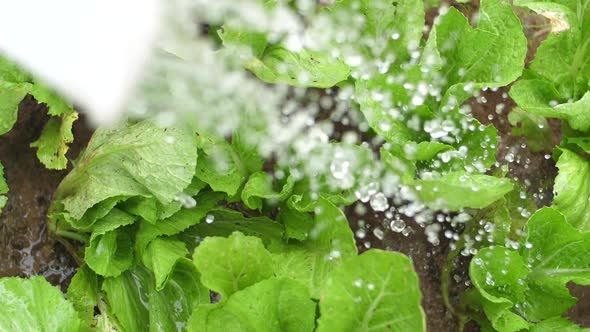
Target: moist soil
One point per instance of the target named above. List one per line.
(25, 246)
(27, 249)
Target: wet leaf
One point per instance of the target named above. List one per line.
(228, 265)
(377, 290)
(281, 305)
(34, 305)
(529, 285)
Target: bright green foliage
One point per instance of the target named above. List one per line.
(223, 222)
(160, 170)
(161, 257)
(305, 68)
(83, 293)
(177, 223)
(462, 60)
(108, 253)
(137, 305)
(272, 305)
(259, 187)
(229, 265)
(219, 165)
(328, 242)
(52, 146)
(517, 288)
(277, 64)
(11, 94)
(3, 189)
(491, 55)
(557, 324)
(382, 20)
(376, 291)
(557, 82)
(456, 190)
(34, 305)
(572, 189)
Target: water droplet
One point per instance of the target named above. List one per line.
(489, 279)
(379, 202)
(378, 232)
(340, 169)
(186, 200)
(397, 225)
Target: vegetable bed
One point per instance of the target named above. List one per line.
(312, 166)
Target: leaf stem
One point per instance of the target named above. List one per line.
(72, 236)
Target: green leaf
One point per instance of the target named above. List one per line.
(219, 165)
(298, 225)
(304, 69)
(11, 94)
(377, 290)
(161, 257)
(382, 20)
(390, 125)
(531, 283)
(572, 189)
(137, 306)
(83, 293)
(177, 223)
(260, 187)
(351, 167)
(560, 72)
(56, 104)
(52, 145)
(11, 72)
(228, 265)
(109, 252)
(223, 222)
(248, 152)
(557, 324)
(541, 98)
(3, 189)
(272, 305)
(560, 59)
(34, 305)
(457, 190)
(492, 55)
(329, 242)
(134, 160)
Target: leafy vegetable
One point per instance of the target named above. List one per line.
(159, 169)
(271, 305)
(521, 287)
(232, 264)
(34, 305)
(3, 189)
(572, 189)
(557, 81)
(456, 190)
(377, 290)
(52, 146)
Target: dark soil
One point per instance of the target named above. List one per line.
(24, 242)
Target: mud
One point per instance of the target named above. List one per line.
(25, 247)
